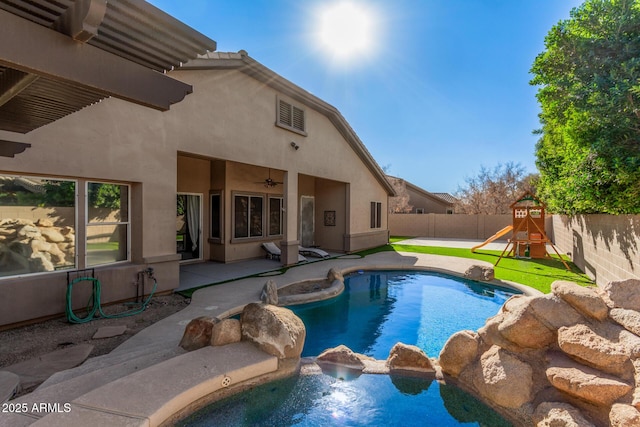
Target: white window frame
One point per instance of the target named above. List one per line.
(87, 224)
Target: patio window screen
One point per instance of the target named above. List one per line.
(248, 216)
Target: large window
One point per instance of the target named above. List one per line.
(107, 223)
(37, 225)
(248, 214)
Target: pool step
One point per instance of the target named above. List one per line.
(149, 396)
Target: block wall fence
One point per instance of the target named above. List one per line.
(605, 247)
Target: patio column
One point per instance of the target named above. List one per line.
(289, 244)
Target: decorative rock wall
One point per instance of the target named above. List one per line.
(568, 358)
(27, 246)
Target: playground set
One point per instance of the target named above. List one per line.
(528, 238)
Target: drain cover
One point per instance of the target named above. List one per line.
(226, 382)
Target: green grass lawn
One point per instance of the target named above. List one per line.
(536, 273)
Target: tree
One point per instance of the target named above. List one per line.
(588, 154)
(493, 191)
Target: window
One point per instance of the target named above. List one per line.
(275, 216)
(37, 225)
(216, 215)
(248, 213)
(419, 210)
(107, 223)
(376, 214)
(291, 117)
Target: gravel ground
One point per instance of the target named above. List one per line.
(26, 342)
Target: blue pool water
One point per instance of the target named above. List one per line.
(381, 308)
(377, 310)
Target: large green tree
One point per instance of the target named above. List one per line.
(589, 77)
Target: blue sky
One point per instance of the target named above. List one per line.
(444, 91)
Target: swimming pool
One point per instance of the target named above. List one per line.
(377, 310)
(380, 308)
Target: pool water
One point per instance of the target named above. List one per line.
(377, 310)
(380, 308)
(368, 400)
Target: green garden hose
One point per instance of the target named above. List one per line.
(94, 306)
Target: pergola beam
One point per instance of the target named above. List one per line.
(37, 50)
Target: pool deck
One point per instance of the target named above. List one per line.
(148, 378)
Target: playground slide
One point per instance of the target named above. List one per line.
(499, 234)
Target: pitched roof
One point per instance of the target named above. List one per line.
(441, 197)
(244, 63)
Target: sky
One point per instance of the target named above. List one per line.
(435, 89)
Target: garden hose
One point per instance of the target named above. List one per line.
(94, 306)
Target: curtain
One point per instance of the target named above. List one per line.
(193, 219)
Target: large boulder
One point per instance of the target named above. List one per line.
(409, 358)
(585, 383)
(521, 326)
(556, 414)
(226, 331)
(623, 294)
(554, 312)
(585, 300)
(197, 334)
(622, 415)
(581, 343)
(343, 356)
(503, 379)
(458, 352)
(629, 319)
(276, 330)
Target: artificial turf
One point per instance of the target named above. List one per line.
(536, 273)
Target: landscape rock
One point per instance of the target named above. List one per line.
(584, 382)
(405, 357)
(521, 326)
(334, 275)
(583, 299)
(503, 378)
(458, 352)
(343, 356)
(556, 414)
(629, 319)
(623, 294)
(226, 331)
(197, 333)
(480, 273)
(582, 344)
(622, 415)
(554, 312)
(269, 293)
(276, 330)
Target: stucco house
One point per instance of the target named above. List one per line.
(413, 199)
(247, 157)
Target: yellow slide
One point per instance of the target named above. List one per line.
(499, 234)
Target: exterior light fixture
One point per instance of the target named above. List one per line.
(294, 145)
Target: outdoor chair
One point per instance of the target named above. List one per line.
(274, 252)
(316, 252)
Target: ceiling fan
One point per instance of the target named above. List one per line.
(269, 182)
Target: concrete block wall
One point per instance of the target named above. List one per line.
(605, 247)
(447, 226)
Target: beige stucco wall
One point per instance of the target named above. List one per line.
(420, 201)
(229, 120)
(605, 247)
